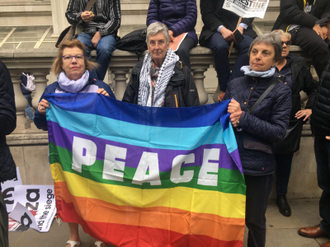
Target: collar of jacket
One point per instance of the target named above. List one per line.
(177, 78)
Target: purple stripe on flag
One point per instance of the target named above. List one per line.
(64, 138)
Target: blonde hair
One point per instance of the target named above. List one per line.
(58, 63)
(281, 32)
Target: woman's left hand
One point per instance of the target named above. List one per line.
(102, 91)
(327, 137)
(304, 113)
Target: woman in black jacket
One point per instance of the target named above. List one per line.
(256, 130)
(298, 78)
(160, 80)
(7, 125)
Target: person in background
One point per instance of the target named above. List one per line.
(73, 76)
(99, 29)
(301, 19)
(320, 120)
(180, 17)
(218, 33)
(298, 78)
(7, 125)
(160, 80)
(257, 129)
(27, 94)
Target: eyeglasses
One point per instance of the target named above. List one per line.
(159, 42)
(69, 57)
(287, 43)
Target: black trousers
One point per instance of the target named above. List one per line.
(258, 190)
(308, 40)
(322, 156)
(184, 49)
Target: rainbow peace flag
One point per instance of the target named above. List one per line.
(144, 176)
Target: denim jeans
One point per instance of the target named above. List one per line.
(104, 49)
(283, 170)
(220, 49)
(28, 109)
(322, 156)
(258, 190)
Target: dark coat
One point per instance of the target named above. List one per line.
(181, 85)
(7, 123)
(302, 80)
(213, 15)
(292, 12)
(268, 122)
(178, 15)
(320, 119)
(40, 119)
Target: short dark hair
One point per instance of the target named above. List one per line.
(270, 39)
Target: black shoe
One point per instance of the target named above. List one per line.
(283, 205)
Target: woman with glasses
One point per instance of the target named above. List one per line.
(73, 76)
(298, 78)
(180, 17)
(160, 79)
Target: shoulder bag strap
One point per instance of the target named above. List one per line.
(271, 86)
(90, 5)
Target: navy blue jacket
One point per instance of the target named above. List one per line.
(268, 122)
(178, 15)
(7, 123)
(40, 119)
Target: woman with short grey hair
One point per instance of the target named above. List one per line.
(160, 79)
(257, 126)
(270, 39)
(155, 28)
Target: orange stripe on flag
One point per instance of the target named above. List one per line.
(171, 219)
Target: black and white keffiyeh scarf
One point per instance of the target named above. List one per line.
(165, 73)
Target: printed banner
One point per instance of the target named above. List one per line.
(247, 8)
(8, 190)
(34, 206)
(145, 176)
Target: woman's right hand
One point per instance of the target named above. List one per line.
(234, 108)
(43, 104)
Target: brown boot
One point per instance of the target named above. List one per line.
(311, 232)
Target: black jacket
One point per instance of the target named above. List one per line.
(292, 12)
(106, 20)
(7, 124)
(213, 15)
(320, 119)
(301, 80)
(181, 85)
(268, 122)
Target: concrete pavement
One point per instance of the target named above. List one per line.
(281, 231)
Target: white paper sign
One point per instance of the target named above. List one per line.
(24, 216)
(8, 189)
(247, 8)
(39, 200)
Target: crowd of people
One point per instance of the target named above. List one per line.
(263, 87)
